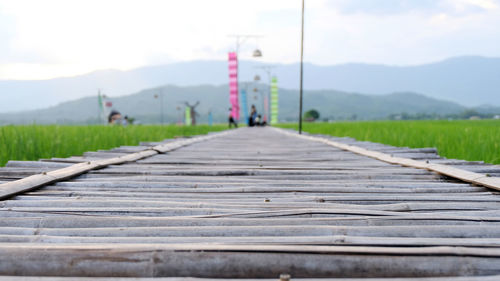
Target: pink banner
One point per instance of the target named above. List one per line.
(233, 86)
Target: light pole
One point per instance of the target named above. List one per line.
(262, 99)
(161, 104)
(240, 39)
(179, 113)
(301, 68)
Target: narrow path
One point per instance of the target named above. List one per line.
(252, 203)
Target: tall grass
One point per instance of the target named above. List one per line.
(474, 140)
(33, 142)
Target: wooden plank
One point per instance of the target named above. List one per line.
(72, 221)
(244, 261)
(431, 231)
(27, 184)
(254, 204)
(54, 278)
(249, 240)
(467, 176)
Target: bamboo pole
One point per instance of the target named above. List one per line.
(245, 261)
(10, 189)
(467, 176)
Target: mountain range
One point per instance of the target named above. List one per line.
(147, 105)
(468, 81)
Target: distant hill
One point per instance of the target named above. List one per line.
(470, 81)
(146, 108)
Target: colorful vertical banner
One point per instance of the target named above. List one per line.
(233, 86)
(274, 100)
(244, 104)
(187, 115)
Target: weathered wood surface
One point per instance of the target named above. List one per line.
(250, 203)
(54, 175)
(414, 162)
(28, 278)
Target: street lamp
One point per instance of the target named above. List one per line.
(240, 39)
(161, 104)
(263, 99)
(179, 113)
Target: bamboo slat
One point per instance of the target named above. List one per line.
(252, 203)
(27, 184)
(461, 174)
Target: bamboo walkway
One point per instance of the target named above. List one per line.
(250, 203)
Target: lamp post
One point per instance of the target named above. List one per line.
(179, 113)
(161, 104)
(301, 68)
(240, 40)
(256, 90)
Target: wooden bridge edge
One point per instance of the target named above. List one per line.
(460, 174)
(29, 183)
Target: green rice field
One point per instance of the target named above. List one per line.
(473, 140)
(32, 142)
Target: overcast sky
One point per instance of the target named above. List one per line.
(51, 38)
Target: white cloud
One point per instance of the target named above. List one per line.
(465, 4)
(126, 34)
(407, 6)
(55, 37)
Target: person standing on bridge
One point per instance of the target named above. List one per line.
(231, 119)
(253, 116)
